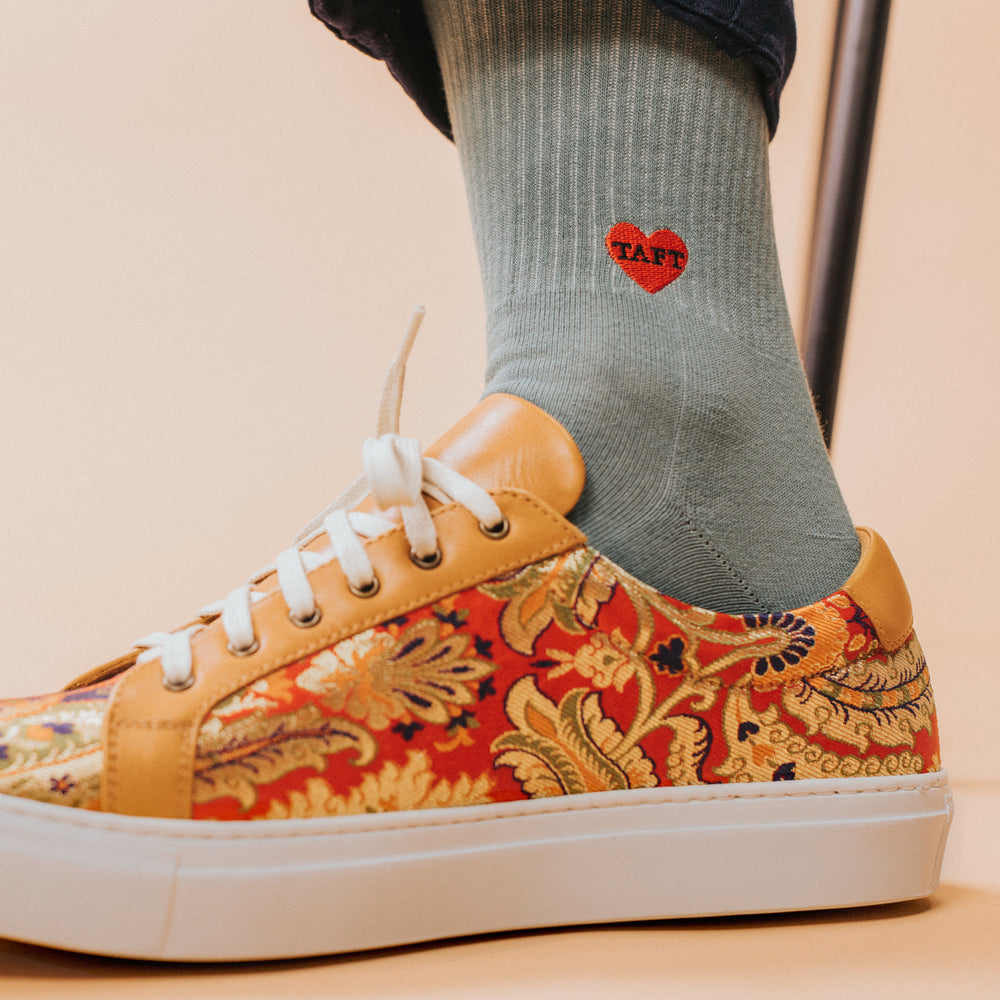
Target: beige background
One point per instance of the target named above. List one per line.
(214, 220)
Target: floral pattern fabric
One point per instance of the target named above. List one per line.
(567, 676)
(50, 747)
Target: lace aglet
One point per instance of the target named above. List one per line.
(392, 391)
(416, 318)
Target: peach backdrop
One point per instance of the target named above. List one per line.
(214, 220)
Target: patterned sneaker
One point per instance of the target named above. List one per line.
(461, 692)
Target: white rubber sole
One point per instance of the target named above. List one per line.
(194, 890)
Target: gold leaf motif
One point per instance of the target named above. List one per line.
(394, 788)
(885, 700)
(234, 761)
(568, 589)
(253, 698)
(377, 678)
(567, 748)
(608, 738)
(763, 747)
(595, 590)
(606, 659)
(687, 751)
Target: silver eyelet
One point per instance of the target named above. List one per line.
(178, 686)
(496, 531)
(244, 650)
(309, 621)
(370, 589)
(426, 562)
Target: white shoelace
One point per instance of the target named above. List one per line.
(396, 475)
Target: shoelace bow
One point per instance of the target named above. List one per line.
(396, 475)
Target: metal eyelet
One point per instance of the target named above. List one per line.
(496, 531)
(370, 589)
(309, 621)
(178, 686)
(244, 650)
(426, 562)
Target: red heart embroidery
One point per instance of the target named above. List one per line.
(650, 261)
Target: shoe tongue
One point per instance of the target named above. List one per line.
(508, 442)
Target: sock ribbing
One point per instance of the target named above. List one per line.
(707, 476)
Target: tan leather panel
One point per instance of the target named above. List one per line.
(508, 442)
(877, 587)
(151, 733)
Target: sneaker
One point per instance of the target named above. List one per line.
(446, 714)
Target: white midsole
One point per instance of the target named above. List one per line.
(199, 890)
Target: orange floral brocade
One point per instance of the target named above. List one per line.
(567, 676)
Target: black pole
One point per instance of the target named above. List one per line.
(840, 194)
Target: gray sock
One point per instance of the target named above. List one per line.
(706, 473)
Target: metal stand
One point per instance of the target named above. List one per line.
(847, 138)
